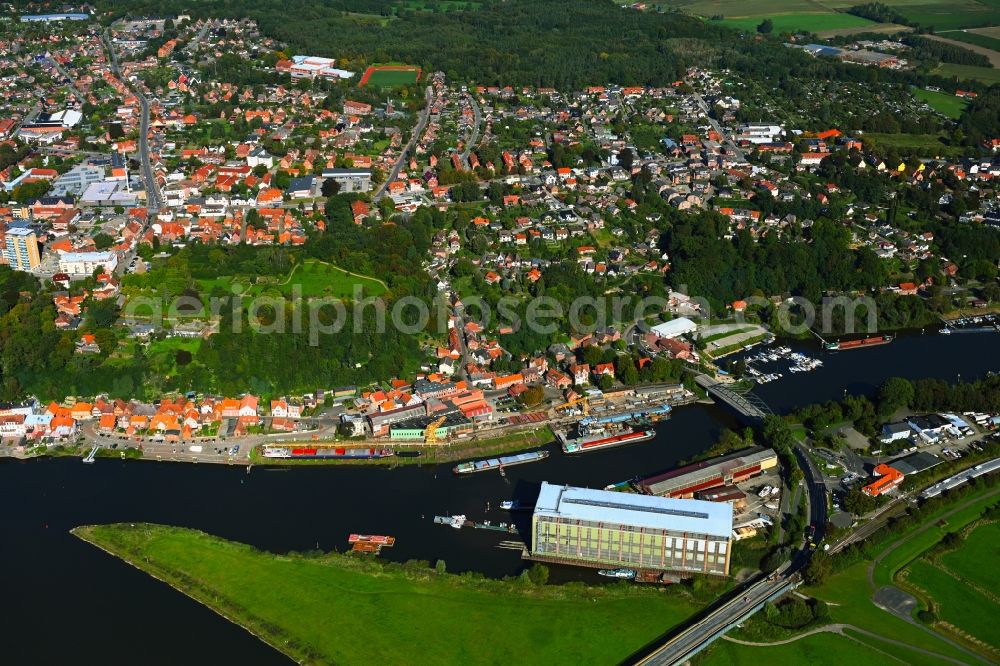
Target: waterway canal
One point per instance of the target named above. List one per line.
(69, 602)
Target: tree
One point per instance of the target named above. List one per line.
(103, 241)
(765, 27)
(330, 187)
(818, 569)
(538, 574)
(894, 394)
(626, 371)
(532, 396)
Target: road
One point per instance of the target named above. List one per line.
(193, 44)
(417, 131)
(726, 139)
(475, 131)
(816, 494)
(152, 191)
(72, 86)
(699, 635)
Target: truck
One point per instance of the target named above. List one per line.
(195, 448)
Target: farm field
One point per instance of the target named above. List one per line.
(332, 608)
(390, 76)
(991, 55)
(947, 16)
(941, 102)
(988, 38)
(988, 75)
(810, 22)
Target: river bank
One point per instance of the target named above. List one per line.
(348, 601)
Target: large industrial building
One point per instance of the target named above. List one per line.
(725, 471)
(603, 528)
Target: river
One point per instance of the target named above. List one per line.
(68, 601)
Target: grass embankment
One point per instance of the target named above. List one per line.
(430, 455)
(339, 609)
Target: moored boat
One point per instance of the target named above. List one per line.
(582, 444)
(499, 462)
(872, 341)
(307, 452)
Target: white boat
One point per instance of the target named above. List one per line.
(617, 573)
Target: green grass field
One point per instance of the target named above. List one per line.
(943, 103)
(980, 546)
(162, 354)
(987, 75)
(392, 78)
(336, 609)
(955, 603)
(314, 278)
(809, 22)
(923, 145)
(818, 649)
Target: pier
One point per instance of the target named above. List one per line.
(747, 405)
(89, 458)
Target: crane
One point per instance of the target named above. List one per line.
(430, 434)
(582, 401)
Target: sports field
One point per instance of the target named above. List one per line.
(337, 609)
(941, 102)
(390, 76)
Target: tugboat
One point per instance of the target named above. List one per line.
(617, 573)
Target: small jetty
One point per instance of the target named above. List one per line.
(370, 543)
(89, 458)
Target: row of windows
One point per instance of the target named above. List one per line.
(615, 528)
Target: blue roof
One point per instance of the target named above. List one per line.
(660, 513)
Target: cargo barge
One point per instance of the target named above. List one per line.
(584, 444)
(499, 463)
(309, 452)
(844, 345)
